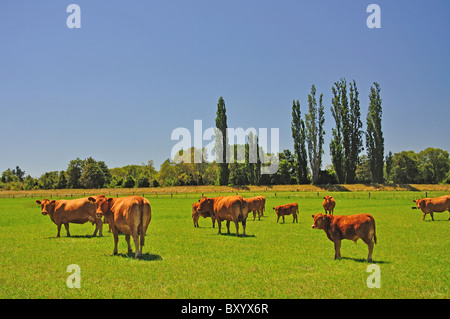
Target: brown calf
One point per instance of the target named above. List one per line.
(433, 205)
(350, 227)
(196, 215)
(328, 204)
(287, 209)
(75, 211)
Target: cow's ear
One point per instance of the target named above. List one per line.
(110, 199)
(38, 202)
(324, 198)
(312, 216)
(53, 201)
(414, 201)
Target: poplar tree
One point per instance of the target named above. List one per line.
(374, 134)
(315, 132)
(221, 124)
(299, 136)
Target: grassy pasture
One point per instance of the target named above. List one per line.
(273, 261)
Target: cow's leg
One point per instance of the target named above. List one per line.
(135, 235)
(219, 223)
(337, 249)
(284, 222)
(127, 238)
(100, 227)
(432, 218)
(228, 227)
(213, 222)
(254, 214)
(244, 223)
(423, 216)
(66, 225)
(370, 245)
(116, 239)
(278, 217)
(95, 230)
(59, 230)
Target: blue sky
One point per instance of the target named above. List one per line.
(136, 70)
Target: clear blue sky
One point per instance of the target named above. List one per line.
(116, 88)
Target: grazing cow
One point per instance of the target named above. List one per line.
(75, 211)
(196, 215)
(328, 204)
(128, 215)
(287, 209)
(256, 205)
(261, 205)
(433, 205)
(229, 208)
(351, 227)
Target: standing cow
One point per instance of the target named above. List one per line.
(433, 205)
(288, 209)
(351, 227)
(328, 204)
(75, 211)
(256, 205)
(229, 208)
(127, 215)
(196, 215)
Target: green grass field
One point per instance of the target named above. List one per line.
(273, 261)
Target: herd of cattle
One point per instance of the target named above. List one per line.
(131, 216)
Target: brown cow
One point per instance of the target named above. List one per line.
(328, 204)
(433, 205)
(287, 209)
(75, 211)
(351, 227)
(229, 208)
(196, 215)
(127, 215)
(261, 205)
(256, 205)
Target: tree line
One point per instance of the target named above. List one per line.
(302, 166)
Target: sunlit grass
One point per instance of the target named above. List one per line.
(273, 261)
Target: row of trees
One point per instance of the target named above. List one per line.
(303, 166)
(430, 166)
(347, 135)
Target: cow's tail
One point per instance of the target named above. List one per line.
(374, 232)
(242, 206)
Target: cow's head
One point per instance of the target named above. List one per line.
(320, 221)
(102, 204)
(418, 202)
(47, 206)
(204, 205)
(328, 198)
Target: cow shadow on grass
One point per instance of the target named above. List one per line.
(364, 260)
(234, 235)
(145, 256)
(74, 236)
